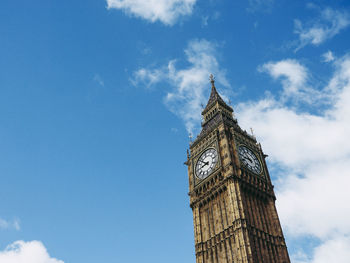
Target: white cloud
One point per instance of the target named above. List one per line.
(295, 81)
(215, 16)
(99, 80)
(328, 56)
(333, 250)
(327, 25)
(292, 73)
(26, 252)
(147, 77)
(205, 20)
(165, 11)
(191, 86)
(7, 224)
(260, 5)
(312, 153)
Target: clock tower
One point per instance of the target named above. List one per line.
(231, 194)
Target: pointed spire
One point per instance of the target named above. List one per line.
(214, 97)
(213, 89)
(212, 80)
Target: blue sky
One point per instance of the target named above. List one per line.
(98, 98)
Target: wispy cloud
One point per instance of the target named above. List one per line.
(328, 56)
(313, 152)
(165, 11)
(206, 18)
(190, 86)
(99, 80)
(294, 78)
(10, 224)
(329, 23)
(147, 77)
(26, 252)
(260, 5)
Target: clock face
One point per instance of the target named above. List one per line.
(206, 163)
(249, 159)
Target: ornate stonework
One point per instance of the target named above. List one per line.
(234, 213)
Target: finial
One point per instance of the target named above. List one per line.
(212, 79)
(251, 130)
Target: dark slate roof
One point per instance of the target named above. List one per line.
(215, 97)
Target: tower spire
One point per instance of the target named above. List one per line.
(214, 97)
(212, 80)
(213, 89)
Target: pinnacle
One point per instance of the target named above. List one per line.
(214, 97)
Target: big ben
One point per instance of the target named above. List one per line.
(231, 194)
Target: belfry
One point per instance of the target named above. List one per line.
(231, 194)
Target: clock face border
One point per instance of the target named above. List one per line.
(196, 179)
(212, 169)
(257, 157)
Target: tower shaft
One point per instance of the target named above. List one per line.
(231, 194)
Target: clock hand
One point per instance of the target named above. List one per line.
(200, 161)
(205, 164)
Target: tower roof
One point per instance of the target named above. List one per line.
(215, 97)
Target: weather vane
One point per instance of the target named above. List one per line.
(212, 79)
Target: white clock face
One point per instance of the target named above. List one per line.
(206, 163)
(249, 159)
